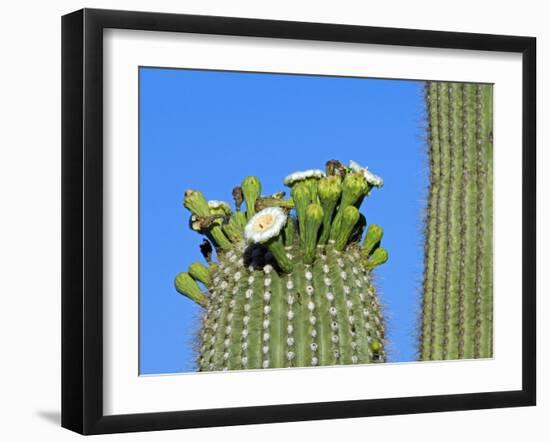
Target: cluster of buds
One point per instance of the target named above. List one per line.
(323, 208)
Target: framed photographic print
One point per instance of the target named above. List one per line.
(269, 221)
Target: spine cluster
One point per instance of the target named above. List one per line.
(457, 290)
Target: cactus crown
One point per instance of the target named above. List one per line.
(292, 285)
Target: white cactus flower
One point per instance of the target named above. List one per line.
(302, 175)
(265, 225)
(371, 178)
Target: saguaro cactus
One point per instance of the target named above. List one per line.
(458, 281)
(288, 291)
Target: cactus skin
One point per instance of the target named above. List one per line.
(320, 310)
(457, 290)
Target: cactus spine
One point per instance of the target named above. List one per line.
(282, 294)
(457, 289)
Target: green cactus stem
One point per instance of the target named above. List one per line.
(457, 291)
(279, 294)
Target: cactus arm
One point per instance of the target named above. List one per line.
(457, 304)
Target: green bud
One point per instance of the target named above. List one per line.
(211, 227)
(251, 188)
(233, 230)
(313, 220)
(378, 257)
(373, 238)
(329, 189)
(219, 207)
(185, 285)
(196, 203)
(201, 273)
(350, 217)
(354, 187)
(313, 185)
(219, 237)
(302, 198)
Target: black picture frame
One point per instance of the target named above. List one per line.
(82, 220)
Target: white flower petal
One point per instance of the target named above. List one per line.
(265, 225)
(371, 178)
(302, 175)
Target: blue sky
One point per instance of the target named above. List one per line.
(207, 130)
